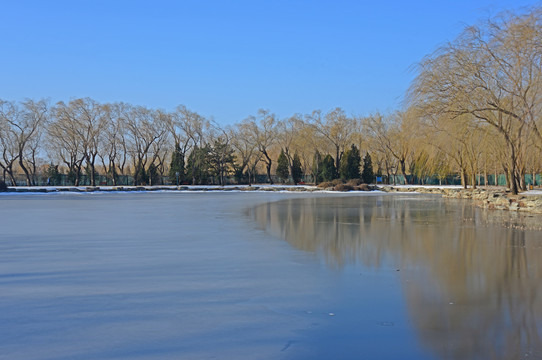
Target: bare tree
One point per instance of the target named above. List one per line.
(288, 136)
(143, 128)
(8, 143)
(394, 135)
(113, 149)
(262, 130)
(336, 128)
(492, 72)
(76, 132)
(23, 126)
(246, 149)
(189, 130)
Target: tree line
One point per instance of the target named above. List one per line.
(473, 110)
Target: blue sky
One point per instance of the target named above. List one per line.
(226, 59)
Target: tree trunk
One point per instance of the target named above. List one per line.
(514, 170)
(26, 172)
(92, 175)
(522, 181)
(268, 163)
(403, 170)
(463, 178)
(337, 158)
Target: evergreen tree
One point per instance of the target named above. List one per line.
(198, 165)
(53, 175)
(221, 160)
(176, 166)
(297, 173)
(367, 176)
(283, 170)
(140, 177)
(329, 172)
(316, 168)
(350, 163)
(153, 175)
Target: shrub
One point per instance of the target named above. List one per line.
(3, 186)
(363, 187)
(343, 187)
(326, 184)
(353, 182)
(336, 182)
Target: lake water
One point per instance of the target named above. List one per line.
(266, 276)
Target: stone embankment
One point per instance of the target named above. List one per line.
(493, 199)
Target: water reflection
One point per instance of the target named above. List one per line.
(471, 284)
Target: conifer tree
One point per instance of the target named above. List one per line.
(367, 176)
(350, 163)
(283, 171)
(316, 167)
(297, 173)
(329, 172)
(198, 165)
(176, 168)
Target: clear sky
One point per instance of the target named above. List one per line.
(225, 58)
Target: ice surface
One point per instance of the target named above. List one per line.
(153, 276)
(186, 275)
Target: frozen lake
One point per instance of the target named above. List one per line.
(265, 276)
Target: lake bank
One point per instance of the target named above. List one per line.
(486, 198)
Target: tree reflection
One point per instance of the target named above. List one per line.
(471, 284)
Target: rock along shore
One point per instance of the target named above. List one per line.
(492, 199)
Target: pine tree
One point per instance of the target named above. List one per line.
(329, 172)
(350, 163)
(198, 165)
(316, 168)
(297, 173)
(176, 167)
(140, 177)
(221, 160)
(283, 170)
(53, 175)
(367, 176)
(153, 175)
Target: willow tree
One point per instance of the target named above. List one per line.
(246, 150)
(188, 130)
(336, 128)
(144, 128)
(262, 131)
(395, 136)
(21, 126)
(492, 72)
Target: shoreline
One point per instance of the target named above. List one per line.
(182, 188)
(487, 198)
